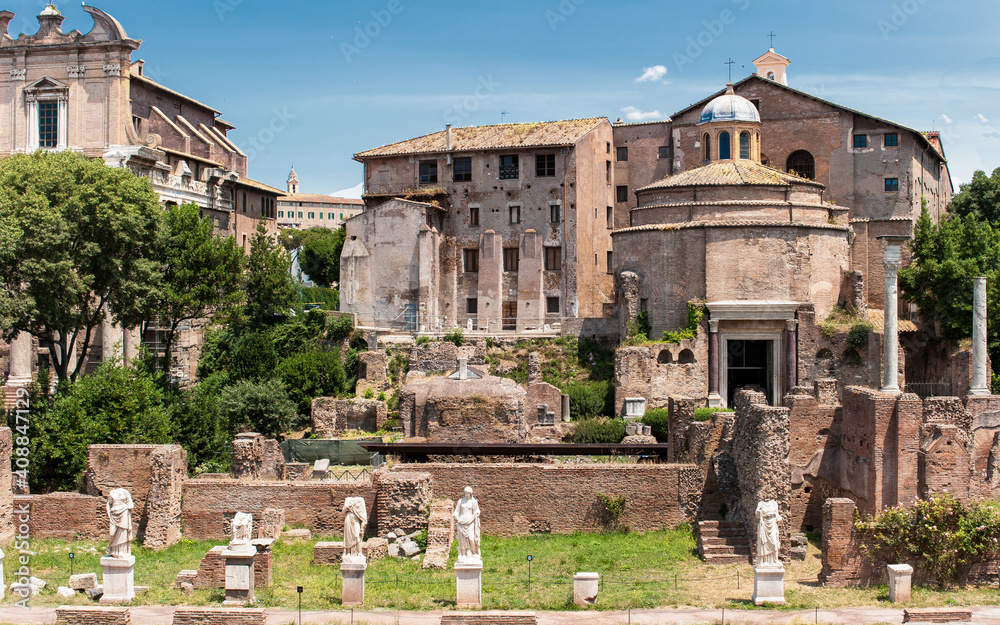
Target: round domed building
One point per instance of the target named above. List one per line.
(755, 243)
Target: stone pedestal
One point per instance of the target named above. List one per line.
(585, 587)
(352, 590)
(768, 584)
(469, 584)
(119, 580)
(239, 575)
(900, 578)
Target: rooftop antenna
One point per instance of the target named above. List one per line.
(502, 115)
(772, 36)
(730, 63)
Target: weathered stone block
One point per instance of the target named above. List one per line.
(332, 416)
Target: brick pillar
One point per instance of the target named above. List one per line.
(490, 282)
(841, 560)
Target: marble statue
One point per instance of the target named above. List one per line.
(242, 529)
(120, 514)
(355, 521)
(467, 526)
(768, 533)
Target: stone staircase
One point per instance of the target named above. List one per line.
(723, 542)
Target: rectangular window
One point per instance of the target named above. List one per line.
(511, 255)
(48, 124)
(472, 306)
(621, 153)
(756, 104)
(509, 319)
(552, 305)
(545, 165)
(473, 215)
(892, 184)
(463, 169)
(891, 140)
(428, 172)
(553, 258)
(281, 213)
(621, 194)
(860, 141)
(611, 218)
(664, 151)
(607, 173)
(514, 214)
(471, 259)
(312, 215)
(509, 167)
(555, 215)
(610, 264)
(300, 214)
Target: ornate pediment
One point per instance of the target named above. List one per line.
(46, 85)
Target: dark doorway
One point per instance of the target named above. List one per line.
(750, 366)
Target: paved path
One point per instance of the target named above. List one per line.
(847, 616)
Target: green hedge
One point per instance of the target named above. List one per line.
(599, 430)
(705, 414)
(590, 399)
(658, 419)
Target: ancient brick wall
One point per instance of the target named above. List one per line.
(66, 515)
(92, 615)
(442, 356)
(814, 438)
(209, 505)
(489, 618)
(522, 499)
(219, 616)
(212, 569)
(152, 474)
(372, 373)
(822, 357)
(681, 416)
(658, 371)
(332, 416)
(257, 458)
(945, 463)
(403, 501)
(760, 451)
(843, 564)
(487, 410)
(542, 393)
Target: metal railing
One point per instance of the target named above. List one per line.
(931, 389)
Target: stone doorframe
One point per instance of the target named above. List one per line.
(751, 310)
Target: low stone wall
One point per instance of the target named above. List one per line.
(489, 618)
(219, 616)
(212, 570)
(209, 505)
(92, 615)
(64, 515)
(521, 499)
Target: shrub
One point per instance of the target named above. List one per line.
(423, 340)
(637, 330)
(940, 535)
(201, 427)
(705, 413)
(857, 336)
(589, 399)
(262, 407)
(696, 313)
(455, 337)
(614, 506)
(658, 419)
(369, 393)
(339, 328)
(599, 431)
(311, 374)
(254, 357)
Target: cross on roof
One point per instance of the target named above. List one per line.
(730, 63)
(772, 36)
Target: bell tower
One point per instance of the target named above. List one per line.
(772, 66)
(293, 182)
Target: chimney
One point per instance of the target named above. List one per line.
(447, 137)
(463, 368)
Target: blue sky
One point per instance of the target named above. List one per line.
(338, 77)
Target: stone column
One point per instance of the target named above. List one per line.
(791, 355)
(20, 361)
(133, 341)
(890, 335)
(585, 588)
(980, 378)
(714, 398)
(112, 340)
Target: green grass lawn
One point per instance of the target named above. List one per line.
(654, 569)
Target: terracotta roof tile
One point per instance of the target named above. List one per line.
(318, 197)
(877, 319)
(730, 173)
(259, 185)
(557, 133)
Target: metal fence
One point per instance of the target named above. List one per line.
(937, 388)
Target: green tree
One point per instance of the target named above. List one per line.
(254, 357)
(117, 404)
(946, 257)
(320, 257)
(979, 199)
(77, 243)
(261, 407)
(201, 426)
(311, 374)
(201, 276)
(268, 284)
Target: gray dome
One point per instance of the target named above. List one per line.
(730, 107)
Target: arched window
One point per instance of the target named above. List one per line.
(745, 145)
(665, 357)
(770, 75)
(802, 163)
(686, 357)
(708, 148)
(724, 149)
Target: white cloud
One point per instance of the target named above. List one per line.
(992, 134)
(982, 119)
(354, 193)
(633, 114)
(652, 74)
(947, 120)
